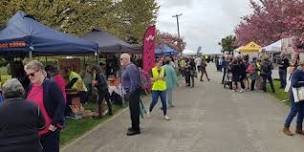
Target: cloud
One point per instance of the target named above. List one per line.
(176, 3)
(204, 22)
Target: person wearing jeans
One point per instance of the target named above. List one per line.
(159, 88)
(162, 95)
(297, 80)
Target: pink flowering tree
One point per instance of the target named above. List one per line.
(272, 20)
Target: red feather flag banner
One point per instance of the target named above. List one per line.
(149, 48)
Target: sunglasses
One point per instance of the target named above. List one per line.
(31, 74)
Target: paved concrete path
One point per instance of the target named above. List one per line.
(206, 118)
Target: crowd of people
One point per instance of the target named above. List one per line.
(240, 74)
(37, 111)
(163, 79)
(190, 67)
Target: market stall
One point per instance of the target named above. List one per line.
(110, 47)
(274, 50)
(23, 35)
(108, 43)
(251, 49)
(165, 50)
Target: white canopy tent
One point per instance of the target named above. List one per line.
(275, 47)
(187, 52)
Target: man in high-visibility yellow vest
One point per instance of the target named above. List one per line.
(159, 88)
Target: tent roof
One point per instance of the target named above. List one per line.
(250, 47)
(274, 47)
(164, 49)
(108, 43)
(23, 34)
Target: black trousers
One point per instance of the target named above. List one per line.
(252, 85)
(224, 75)
(134, 98)
(242, 78)
(187, 78)
(269, 78)
(50, 141)
(104, 95)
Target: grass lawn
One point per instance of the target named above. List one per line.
(76, 128)
(280, 94)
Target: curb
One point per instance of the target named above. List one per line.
(92, 130)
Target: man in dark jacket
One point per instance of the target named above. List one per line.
(101, 84)
(283, 65)
(266, 73)
(20, 121)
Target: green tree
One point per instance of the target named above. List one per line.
(228, 43)
(126, 18)
(134, 16)
(69, 16)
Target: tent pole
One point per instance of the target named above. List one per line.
(96, 55)
(31, 55)
(84, 60)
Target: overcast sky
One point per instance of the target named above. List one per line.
(203, 22)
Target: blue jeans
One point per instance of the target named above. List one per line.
(162, 95)
(295, 109)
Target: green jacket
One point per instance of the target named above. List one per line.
(171, 78)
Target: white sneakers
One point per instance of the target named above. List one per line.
(165, 117)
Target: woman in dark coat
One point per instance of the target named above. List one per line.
(49, 98)
(235, 70)
(20, 121)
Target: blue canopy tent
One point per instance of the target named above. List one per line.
(110, 44)
(165, 50)
(24, 35)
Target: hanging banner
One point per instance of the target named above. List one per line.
(16, 44)
(149, 49)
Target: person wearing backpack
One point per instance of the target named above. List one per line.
(130, 81)
(266, 72)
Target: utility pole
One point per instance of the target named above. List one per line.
(177, 22)
(177, 15)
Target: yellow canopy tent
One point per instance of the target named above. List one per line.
(251, 47)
